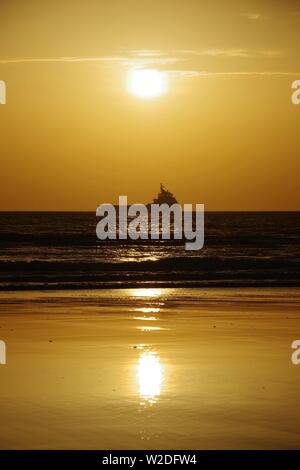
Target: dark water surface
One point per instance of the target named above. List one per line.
(42, 250)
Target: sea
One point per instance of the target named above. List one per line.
(60, 250)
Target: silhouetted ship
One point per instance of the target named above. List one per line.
(164, 197)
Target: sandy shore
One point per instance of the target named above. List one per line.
(150, 369)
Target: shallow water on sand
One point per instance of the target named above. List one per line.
(150, 369)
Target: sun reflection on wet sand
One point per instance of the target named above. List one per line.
(150, 377)
(148, 309)
(149, 328)
(150, 372)
(146, 318)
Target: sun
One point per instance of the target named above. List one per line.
(147, 83)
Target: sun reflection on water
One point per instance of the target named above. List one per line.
(146, 292)
(150, 377)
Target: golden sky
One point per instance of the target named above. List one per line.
(224, 134)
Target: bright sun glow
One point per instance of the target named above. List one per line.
(147, 83)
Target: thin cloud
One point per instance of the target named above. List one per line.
(60, 59)
(153, 61)
(128, 61)
(252, 16)
(164, 59)
(147, 52)
(212, 52)
(217, 52)
(232, 53)
(183, 73)
(268, 54)
(145, 57)
(249, 73)
(185, 54)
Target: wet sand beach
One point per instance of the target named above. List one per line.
(150, 369)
